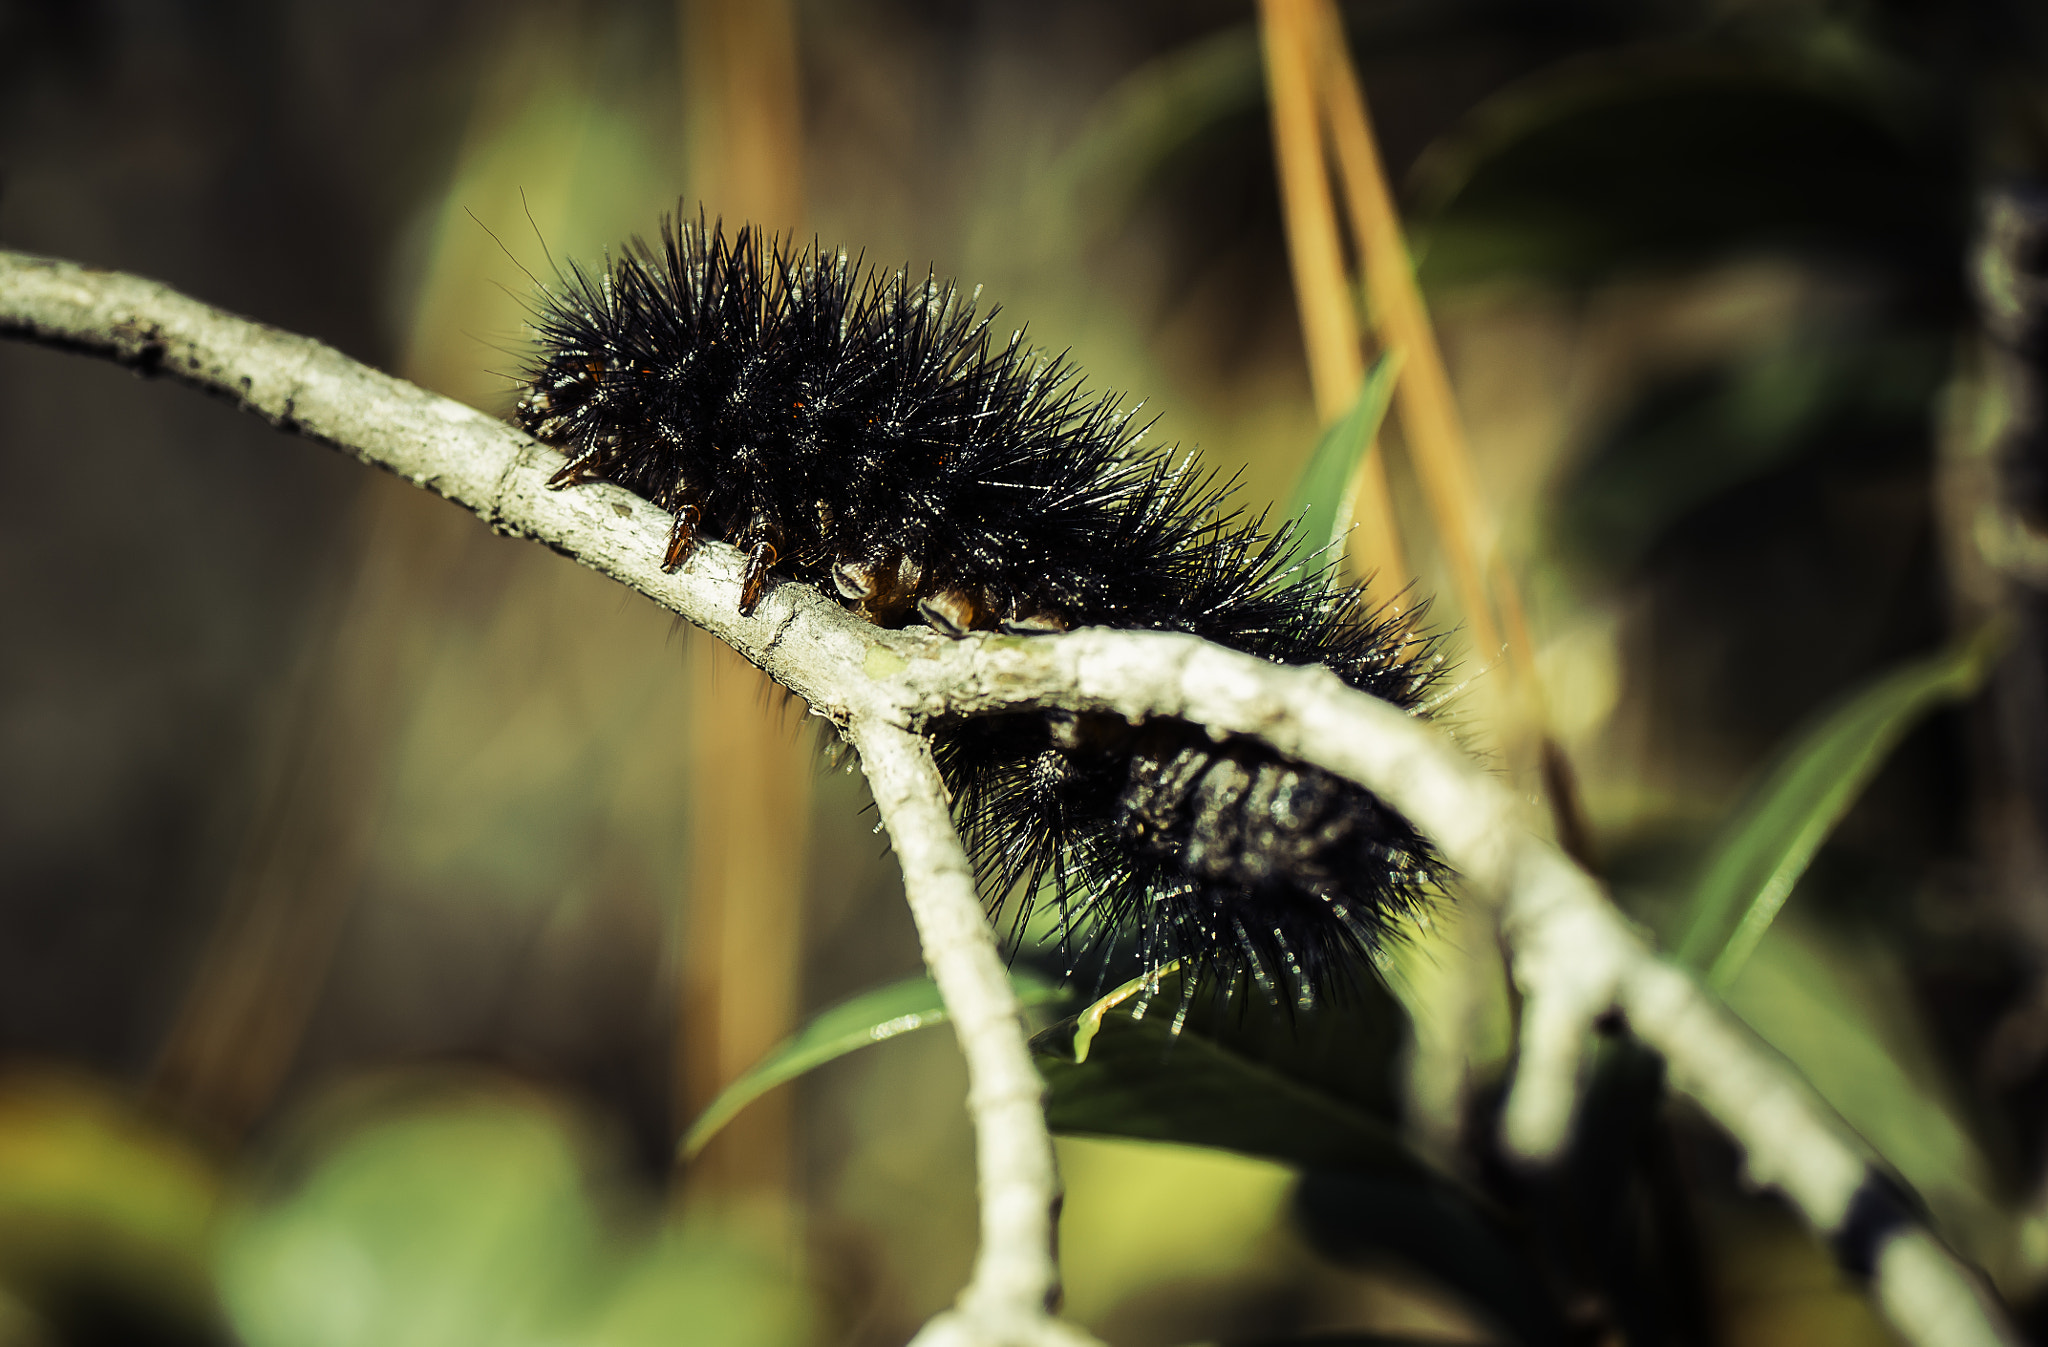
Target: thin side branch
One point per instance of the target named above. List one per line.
(1015, 1278)
(1573, 956)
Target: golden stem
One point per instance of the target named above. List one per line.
(1329, 322)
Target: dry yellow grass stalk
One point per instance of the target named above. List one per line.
(1322, 288)
(743, 942)
(1423, 398)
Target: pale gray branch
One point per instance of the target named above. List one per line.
(1015, 1278)
(1573, 956)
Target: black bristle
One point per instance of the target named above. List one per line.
(864, 432)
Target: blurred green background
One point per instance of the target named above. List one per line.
(362, 946)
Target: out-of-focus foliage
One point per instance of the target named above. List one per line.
(1699, 269)
(872, 1017)
(106, 1218)
(1314, 1089)
(1771, 839)
(453, 1217)
(1685, 155)
(1319, 495)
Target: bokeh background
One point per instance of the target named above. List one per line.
(379, 898)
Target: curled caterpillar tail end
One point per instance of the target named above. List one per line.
(1153, 844)
(866, 434)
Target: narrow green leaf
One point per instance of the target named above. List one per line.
(1837, 1002)
(1772, 837)
(1090, 1020)
(1144, 1082)
(1319, 495)
(870, 1017)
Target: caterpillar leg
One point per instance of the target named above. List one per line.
(878, 587)
(951, 611)
(761, 542)
(1028, 617)
(760, 558)
(682, 537)
(577, 471)
(856, 581)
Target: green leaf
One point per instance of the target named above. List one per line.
(697, 1283)
(1143, 1081)
(1838, 1002)
(1319, 496)
(1089, 1022)
(456, 1225)
(98, 1197)
(871, 1017)
(1599, 166)
(1773, 835)
(464, 1215)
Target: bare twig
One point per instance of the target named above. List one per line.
(1573, 955)
(1015, 1279)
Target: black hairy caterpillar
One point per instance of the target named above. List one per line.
(864, 432)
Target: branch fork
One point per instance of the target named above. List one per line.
(1573, 956)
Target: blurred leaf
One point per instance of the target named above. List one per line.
(1144, 1081)
(1340, 1339)
(1521, 1269)
(695, 1285)
(871, 1017)
(1155, 112)
(1308, 1088)
(469, 1219)
(1773, 835)
(1226, 1208)
(449, 1226)
(1641, 158)
(1089, 1022)
(98, 1202)
(1691, 440)
(1843, 1010)
(1319, 495)
(1359, 1219)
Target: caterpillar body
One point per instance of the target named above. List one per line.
(865, 432)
